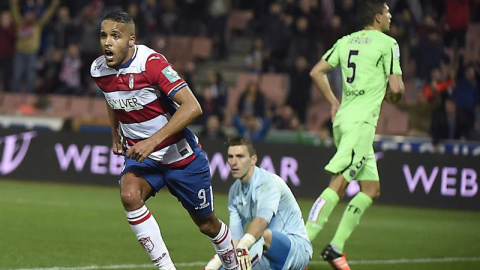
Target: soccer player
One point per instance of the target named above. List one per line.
(149, 107)
(371, 72)
(266, 222)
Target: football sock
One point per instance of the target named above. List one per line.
(223, 245)
(148, 234)
(350, 219)
(321, 210)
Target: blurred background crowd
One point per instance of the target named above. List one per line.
(248, 61)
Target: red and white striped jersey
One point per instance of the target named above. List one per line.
(141, 95)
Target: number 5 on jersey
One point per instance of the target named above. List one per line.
(352, 65)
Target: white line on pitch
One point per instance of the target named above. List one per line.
(352, 262)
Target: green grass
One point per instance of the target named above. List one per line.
(55, 225)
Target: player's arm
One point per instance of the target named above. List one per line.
(319, 77)
(189, 109)
(117, 139)
(268, 200)
(396, 89)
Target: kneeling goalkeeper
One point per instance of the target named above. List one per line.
(266, 222)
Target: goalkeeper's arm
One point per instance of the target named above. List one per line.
(254, 232)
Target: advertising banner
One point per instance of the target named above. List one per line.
(428, 180)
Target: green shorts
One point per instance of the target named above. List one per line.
(355, 158)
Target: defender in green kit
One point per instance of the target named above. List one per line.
(371, 73)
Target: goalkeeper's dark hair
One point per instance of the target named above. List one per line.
(236, 141)
(367, 9)
(119, 16)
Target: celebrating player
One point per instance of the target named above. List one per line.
(371, 72)
(266, 222)
(149, 107)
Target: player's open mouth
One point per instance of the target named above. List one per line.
(109, 55)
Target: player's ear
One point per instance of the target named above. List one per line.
(131, 42)
(254, 159)
(377, 18)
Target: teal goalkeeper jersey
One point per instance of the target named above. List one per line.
(367, 59)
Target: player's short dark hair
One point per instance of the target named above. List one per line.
(119, 16)
(367, 9)
(236, 141)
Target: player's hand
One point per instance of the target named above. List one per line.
(392, 97)
(244, 259)
(141, 150)
(333, 111)
(118, 147)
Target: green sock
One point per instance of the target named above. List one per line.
(321, 210)
(350, 219)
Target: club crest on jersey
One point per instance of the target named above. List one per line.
(131, 81)
(146, 243)
(171, 74)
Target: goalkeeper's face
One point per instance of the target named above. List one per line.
(242, 164)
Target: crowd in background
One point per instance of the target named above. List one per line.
(47, 46)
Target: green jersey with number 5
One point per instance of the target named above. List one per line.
(367, 59)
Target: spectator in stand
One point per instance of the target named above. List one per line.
(48, 77)
(276, 36)
(7, 49)
(89, 23)
(457, 16)
(194, 10)
(300, 87)
(219, 91)
(250, 120)
(420, 113)
(347, 10)
(254, 59)
(428, 54)
(70, 72)
(168, 18)
(217, 11)
(252, 101)
(313, 10)
(303, 43)
(414, 7)
(466, 96)
(402, 30)
(438, 83)
(209, 105)
(29, 34)
(150, 11)
(473, 42)
(441, 127)
(252, 127)
(324, 135)
(140, 26)
(286, 118)
(65, 30)
(212, 130)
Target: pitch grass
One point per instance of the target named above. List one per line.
(45, 225)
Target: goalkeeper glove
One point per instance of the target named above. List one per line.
(244, 259)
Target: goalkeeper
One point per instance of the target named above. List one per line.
(266, 222)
